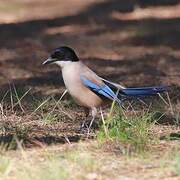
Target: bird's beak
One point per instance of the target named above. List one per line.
(49, 61)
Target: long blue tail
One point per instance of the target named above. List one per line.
(143, 91)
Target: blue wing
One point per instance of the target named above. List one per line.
(100, 89)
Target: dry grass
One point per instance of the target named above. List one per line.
(85, 160)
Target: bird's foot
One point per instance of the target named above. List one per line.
(88, 126)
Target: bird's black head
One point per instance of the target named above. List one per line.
(62, 54)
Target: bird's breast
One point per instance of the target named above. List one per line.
(81, 94)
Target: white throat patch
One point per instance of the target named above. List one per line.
(63, 63)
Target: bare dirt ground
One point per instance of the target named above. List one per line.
(134, 43)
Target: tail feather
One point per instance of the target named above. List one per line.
(144, 91)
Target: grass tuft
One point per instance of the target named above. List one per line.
(133, 130)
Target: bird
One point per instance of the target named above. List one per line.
(87, 88)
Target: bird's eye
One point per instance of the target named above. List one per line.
(56, 54)
(53, 55)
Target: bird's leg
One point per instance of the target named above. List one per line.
(94, 112)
